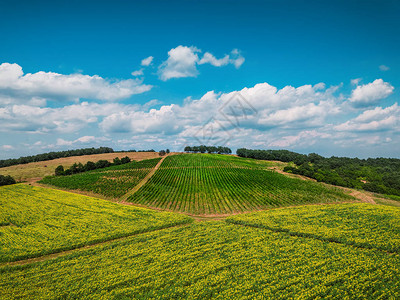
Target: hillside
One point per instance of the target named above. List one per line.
(38, 170)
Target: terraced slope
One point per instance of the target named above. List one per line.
(221, 184)
(36, 221)
(112, 182)
(218, 260)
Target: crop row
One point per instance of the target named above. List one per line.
(204, 190)
(111, 182)
(362, 225)
(48, 221)
(211, 260)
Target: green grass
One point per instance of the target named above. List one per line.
(221, 184)
(43, 221)
(112, 182)
(211, 260)
(362, 225)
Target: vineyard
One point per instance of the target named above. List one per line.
(112, 182)
(214, 260)
(35, 221)
(218, 184)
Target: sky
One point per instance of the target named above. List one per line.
(306, 76)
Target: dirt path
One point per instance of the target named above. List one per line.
(142, 183)
(364, 197)
(66, 252)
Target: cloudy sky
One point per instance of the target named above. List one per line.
(308, 76)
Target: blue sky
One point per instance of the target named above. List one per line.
(313, 76)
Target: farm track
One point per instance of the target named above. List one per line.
(66, 252)
(143, 182)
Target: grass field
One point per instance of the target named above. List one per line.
(35, 221)
(38, 170)
(211, 260)
(112, 182)
(220, 184)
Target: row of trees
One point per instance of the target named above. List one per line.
(163, 152)
(208, 149)
(89, 166)
(6, 180)
(379, 175)
(53, 155)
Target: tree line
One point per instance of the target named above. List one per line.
(89, 166)
(208, 149)
(53, 155)
(379, 175)
(6, 180)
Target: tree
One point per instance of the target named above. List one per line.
(117, 161)
(59, 171)
(125, 160)
(6, 180)
(167, 151)
(161, 152)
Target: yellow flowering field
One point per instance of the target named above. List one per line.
(210, 260)
(35, 221)
(363, 225)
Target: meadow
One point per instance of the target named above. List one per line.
(112, 182)
(35, 221)
(219, 184)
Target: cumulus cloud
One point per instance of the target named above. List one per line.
(147, 61)
(53, 86)
(82, 140)
(378, 119)
(370, 94)
(137, 73)
(7, 147)
(355, 81)
(183, 61)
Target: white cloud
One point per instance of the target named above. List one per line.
(208, 58)
(82, 140)
(182, 62)
(384, 68)
(7, 147)
(370, 94)
(137, 73)
(53, 86)
(355, 81)
(378, 119)
(147, 61)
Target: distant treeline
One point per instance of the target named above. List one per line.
(379, 175)
(6, 180)
(89, 166)
(53, 155)
(208, 149)
(133, 150)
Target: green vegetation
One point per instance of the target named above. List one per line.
(53, 155)
(219, 184)
(362, 225)
(208, 149)
(6, 180)
(379, 175)
(113, 182)
(35, 221)
(89, 166)
(210, 260)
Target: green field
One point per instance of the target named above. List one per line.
(220, 184)
(35, 221)
(211, 260)
(361, 225)
(112, 182)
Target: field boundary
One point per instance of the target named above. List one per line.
(55, 255)
(143, 182)
(311, 236)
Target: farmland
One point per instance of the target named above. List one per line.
(56, 244)
(211, 260)
(217, 184)
(112, 182)
(37, 221)
(38, 170)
